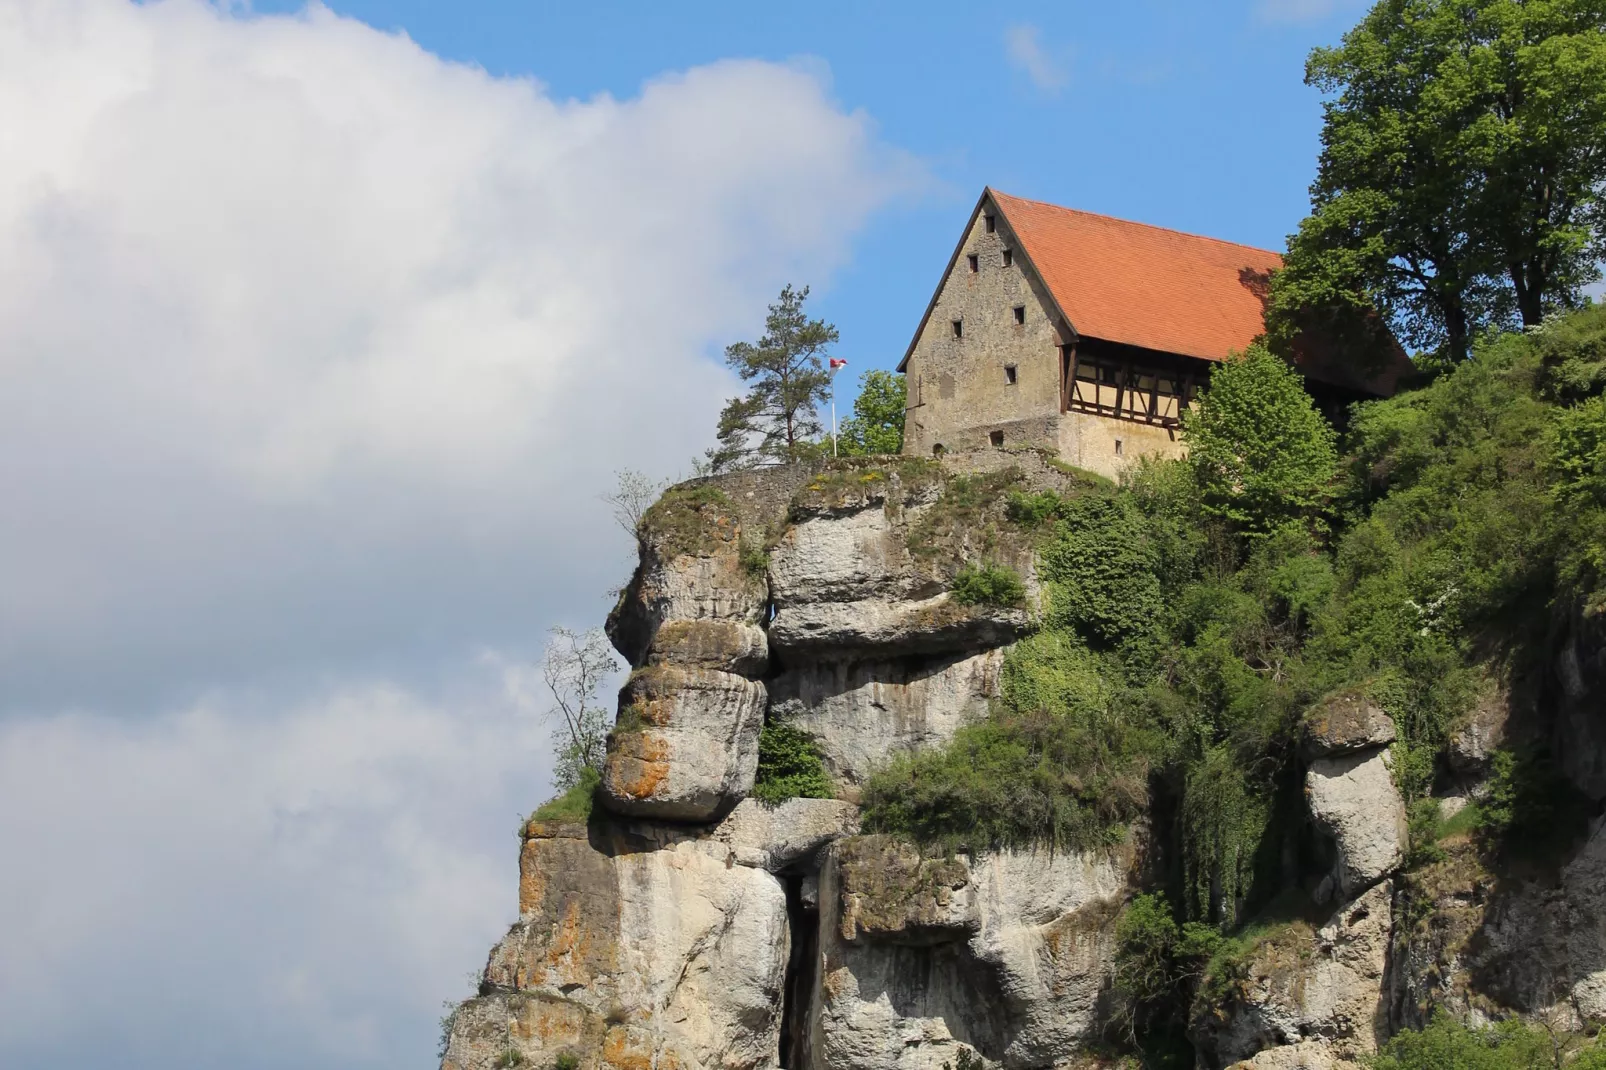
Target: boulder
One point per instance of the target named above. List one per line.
(1344, 723)
(686, 744)
(1010, 964)
(691, 569)
(1355, 806)
(845, 582)
(876, 628)
(1319, 991)
(893, 892)
(731, 646)
(785, 835)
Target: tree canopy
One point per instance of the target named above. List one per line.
(777, 420)
(1460, 177)
(876, 425)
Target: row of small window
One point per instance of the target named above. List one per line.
(974, 260)
(959, 325)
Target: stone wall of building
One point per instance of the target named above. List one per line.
(959, 390)
(1106, 446)
(961, 397)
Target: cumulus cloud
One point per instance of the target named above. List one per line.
(315, 345)
(1023, 46)
(315, 353)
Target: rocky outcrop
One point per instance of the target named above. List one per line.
(1005, 955)
(1345, 723)
(687, 926)
(1358, 811)
(685, 747)
(1310, 994)
(635, 950)
(862, 712)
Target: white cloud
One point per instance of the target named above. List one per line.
(313, 343)
(315, 351)
(1023, 46)
(216, 887)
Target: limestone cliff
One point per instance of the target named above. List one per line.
(689, 925)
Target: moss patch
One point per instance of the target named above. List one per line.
(890, 887)
(693, 518)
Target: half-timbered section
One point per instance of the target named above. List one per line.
(1087, 335)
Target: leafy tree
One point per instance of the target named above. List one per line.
(574, 667)
(1261, 452)
(1461, 172)
(777, 419)
(876, 425)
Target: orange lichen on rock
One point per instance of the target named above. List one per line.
(625, 1049)
(638, 765)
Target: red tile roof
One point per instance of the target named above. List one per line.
(1144, 285)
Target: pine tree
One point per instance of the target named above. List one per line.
(777, 422)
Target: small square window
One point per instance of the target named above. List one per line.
(996, 438)
(975, 263)
(959, 328)
(1009, 374)
(1009, 257)
(991, 222)
(1118, 447)
(1020, 313)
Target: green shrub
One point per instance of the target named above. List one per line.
(510, 1057)
(1145, 937)
(1260, 450)
(1464, 821)
(755, 559)
(789, 765)
(988, 584)
(1035, 509)
(566, 1060)
(1446, 1044)
(1102, 571)
(1062, 760)
(574, 804)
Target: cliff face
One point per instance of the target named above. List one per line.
(689, 925)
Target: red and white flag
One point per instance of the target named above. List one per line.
(835, 364)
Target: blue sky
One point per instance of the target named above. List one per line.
(1191, 115)
(325, 330)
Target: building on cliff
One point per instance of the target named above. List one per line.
(1089, 335)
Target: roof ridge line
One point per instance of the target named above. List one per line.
(1134, 222)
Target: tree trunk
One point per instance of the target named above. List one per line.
(1457, 338)
(1530, 293)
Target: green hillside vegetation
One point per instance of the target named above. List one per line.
(1197, 611)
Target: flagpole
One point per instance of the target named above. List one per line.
(837, 365)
